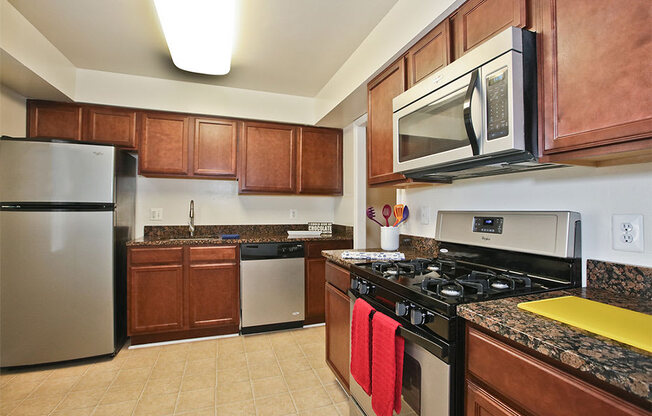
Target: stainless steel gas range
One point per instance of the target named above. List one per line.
(482, 256)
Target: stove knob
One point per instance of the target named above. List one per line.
(402, 309)
(355, 283)
(418, 316)
(366, 288)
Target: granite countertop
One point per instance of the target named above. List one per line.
(336, 255)
(176, 235)
(620, 365)
(244, 238)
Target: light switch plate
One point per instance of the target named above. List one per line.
(627, 232)
(156, 214)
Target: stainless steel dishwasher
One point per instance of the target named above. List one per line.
(272, 286)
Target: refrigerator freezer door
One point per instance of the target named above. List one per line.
(55, 172)
(56, 286)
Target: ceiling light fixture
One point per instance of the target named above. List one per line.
(199, 33)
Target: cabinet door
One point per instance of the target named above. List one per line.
(320, 161)
(315, 286)
(535, 386)
(478, 20)
(54, 120)
(213, 295)
(155, 299)
(110, 125)
(480, 403)
(163, 144)
(337, 333)
(268, 154)
(429, 54)
(215, 147)
(380, 92)
(595, 69)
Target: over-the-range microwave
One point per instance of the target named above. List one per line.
(474, 117)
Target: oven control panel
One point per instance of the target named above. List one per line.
(493, 225)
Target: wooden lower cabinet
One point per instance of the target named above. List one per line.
(315, 287)
(213, 293)
(155, 298)
(480, 403)
(182, 292)
(315, 266)
(338, 328)
(501, 378)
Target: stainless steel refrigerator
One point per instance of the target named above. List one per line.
(66, 211)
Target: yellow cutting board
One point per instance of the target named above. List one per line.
(629, 327)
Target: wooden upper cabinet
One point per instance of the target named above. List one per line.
(163, 144)
(267, 158)
(54, 120)
(320, 161)
(429, 54)
(594, 71)
(110, 125)
(478, 20)
(215, 143)
(380, 93)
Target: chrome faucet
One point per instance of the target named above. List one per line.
(191, 225)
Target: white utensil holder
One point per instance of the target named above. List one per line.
(389, 238)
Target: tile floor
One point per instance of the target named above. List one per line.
(282, 373)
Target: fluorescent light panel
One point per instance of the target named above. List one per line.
(199, 33)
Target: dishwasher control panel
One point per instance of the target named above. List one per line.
(264, 251)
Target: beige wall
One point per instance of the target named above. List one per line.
(218, 202)
(12, 113)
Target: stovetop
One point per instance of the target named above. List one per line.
(442, 283)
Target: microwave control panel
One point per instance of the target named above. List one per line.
(497, 105)
(493, 225)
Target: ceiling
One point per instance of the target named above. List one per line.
(282, 46)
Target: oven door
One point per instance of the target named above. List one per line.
(426, 377)
(443, 126)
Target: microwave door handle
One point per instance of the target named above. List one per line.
(468, 121)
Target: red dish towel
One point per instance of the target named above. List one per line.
(387, 365)
(361, 344)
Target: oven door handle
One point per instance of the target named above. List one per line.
(468, 118)
(439, 350)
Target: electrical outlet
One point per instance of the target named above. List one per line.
(156, 214)
(293, 214)
(627, 232)
(425, 214)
